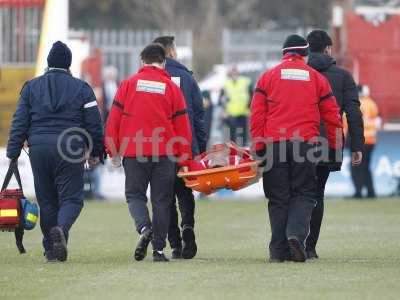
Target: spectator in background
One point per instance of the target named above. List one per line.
(235, 99)
(91, 70)
(109, 87)
(362, 175)
(209, 109)
(92, 178)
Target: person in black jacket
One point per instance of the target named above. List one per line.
(57, 114)
(185, 246)
(345, 90)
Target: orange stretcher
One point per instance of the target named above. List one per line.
(225, 166)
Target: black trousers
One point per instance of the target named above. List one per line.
(290, 186)
(161, 176)
(318, 211)
(58, 188)
(238, 129)
(186, 204)
(362, 175)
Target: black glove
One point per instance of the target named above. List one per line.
(261, 155)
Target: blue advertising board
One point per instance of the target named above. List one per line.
(385, 168)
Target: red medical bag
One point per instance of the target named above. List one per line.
(11, 215)
(10, 209)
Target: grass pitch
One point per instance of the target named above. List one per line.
(359, 249)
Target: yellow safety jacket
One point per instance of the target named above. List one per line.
(238, 96)
(370, 113)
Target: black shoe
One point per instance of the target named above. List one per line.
(312, 254)
(158, 256)
(59, 243)
(144, 241)
(189, 249)
(296, 250)
(176, 253)
(50, 257)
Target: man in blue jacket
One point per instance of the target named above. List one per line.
(185, 246)
(57, 114)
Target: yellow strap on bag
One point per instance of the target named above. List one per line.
(8, 213)
(31, 218)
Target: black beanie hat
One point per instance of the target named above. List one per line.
(319, 40)
(296, 44)
(60, 56)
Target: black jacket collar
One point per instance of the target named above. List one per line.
(320, 61)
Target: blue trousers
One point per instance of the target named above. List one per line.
(59, 189)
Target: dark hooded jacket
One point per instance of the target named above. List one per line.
(51, 104)
(194, 102)
(345, 90)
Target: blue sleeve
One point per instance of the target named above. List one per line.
(198, 117)
(92, 121)
(20, 125)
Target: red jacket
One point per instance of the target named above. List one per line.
(148, 117)
(290, 101)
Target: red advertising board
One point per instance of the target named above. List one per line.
(373, 53)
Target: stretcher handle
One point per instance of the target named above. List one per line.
(12, 170)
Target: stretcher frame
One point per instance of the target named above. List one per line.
(233, 177)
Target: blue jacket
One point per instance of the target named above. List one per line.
(51, 104)
(194, 102)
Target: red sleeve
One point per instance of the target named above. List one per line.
(181, 125)
(330, 114)
(258, 115)
(114, 120)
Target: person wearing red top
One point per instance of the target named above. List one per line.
(149, 127)
(288, 104)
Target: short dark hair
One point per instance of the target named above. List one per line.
(319, 40)
(153, 53)
(167, 41)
